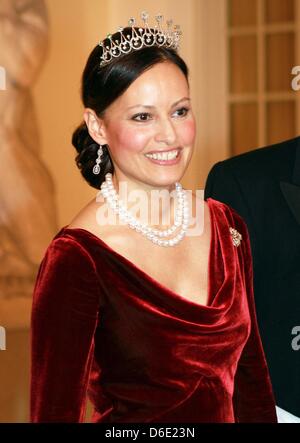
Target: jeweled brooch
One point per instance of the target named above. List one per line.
(236, 236)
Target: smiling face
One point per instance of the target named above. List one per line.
(153, 114)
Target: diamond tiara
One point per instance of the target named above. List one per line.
(145, 37)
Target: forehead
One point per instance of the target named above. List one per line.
(163, 81)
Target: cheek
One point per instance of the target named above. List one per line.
(188, 132)
(130, 140)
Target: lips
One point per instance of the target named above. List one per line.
(165, 162)
(161, 152)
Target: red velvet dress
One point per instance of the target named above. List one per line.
(102, 327)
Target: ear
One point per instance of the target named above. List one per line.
(95, 126)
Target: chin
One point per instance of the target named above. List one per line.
(166, 180)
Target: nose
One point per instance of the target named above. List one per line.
(165, 131)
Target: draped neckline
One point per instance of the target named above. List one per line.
(154, 282)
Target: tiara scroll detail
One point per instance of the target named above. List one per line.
(144, 37)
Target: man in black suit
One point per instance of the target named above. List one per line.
(263, 186)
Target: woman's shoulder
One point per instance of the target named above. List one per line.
(86, 216)
(69, 243)
(66, 250)
(226, 214)
(88, 229)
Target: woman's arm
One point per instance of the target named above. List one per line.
(64, 318)
(253, 398)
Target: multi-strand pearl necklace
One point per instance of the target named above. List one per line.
(181, 219)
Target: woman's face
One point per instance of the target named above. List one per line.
(153, 114)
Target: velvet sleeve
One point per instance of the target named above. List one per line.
(253, 398)
(63, 321)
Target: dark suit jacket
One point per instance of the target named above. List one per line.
(263, 186)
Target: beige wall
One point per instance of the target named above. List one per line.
(75, 26)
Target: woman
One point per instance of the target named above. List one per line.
(151, 331)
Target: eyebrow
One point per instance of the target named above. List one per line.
(151, 107)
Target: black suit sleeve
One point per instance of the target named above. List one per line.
(222, 185)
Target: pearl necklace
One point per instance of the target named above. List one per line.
(181, 219)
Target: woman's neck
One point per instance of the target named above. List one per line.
(153, 205)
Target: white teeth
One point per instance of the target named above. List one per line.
(163, 156)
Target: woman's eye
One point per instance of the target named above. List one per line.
(183, 111)
(143, 117)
